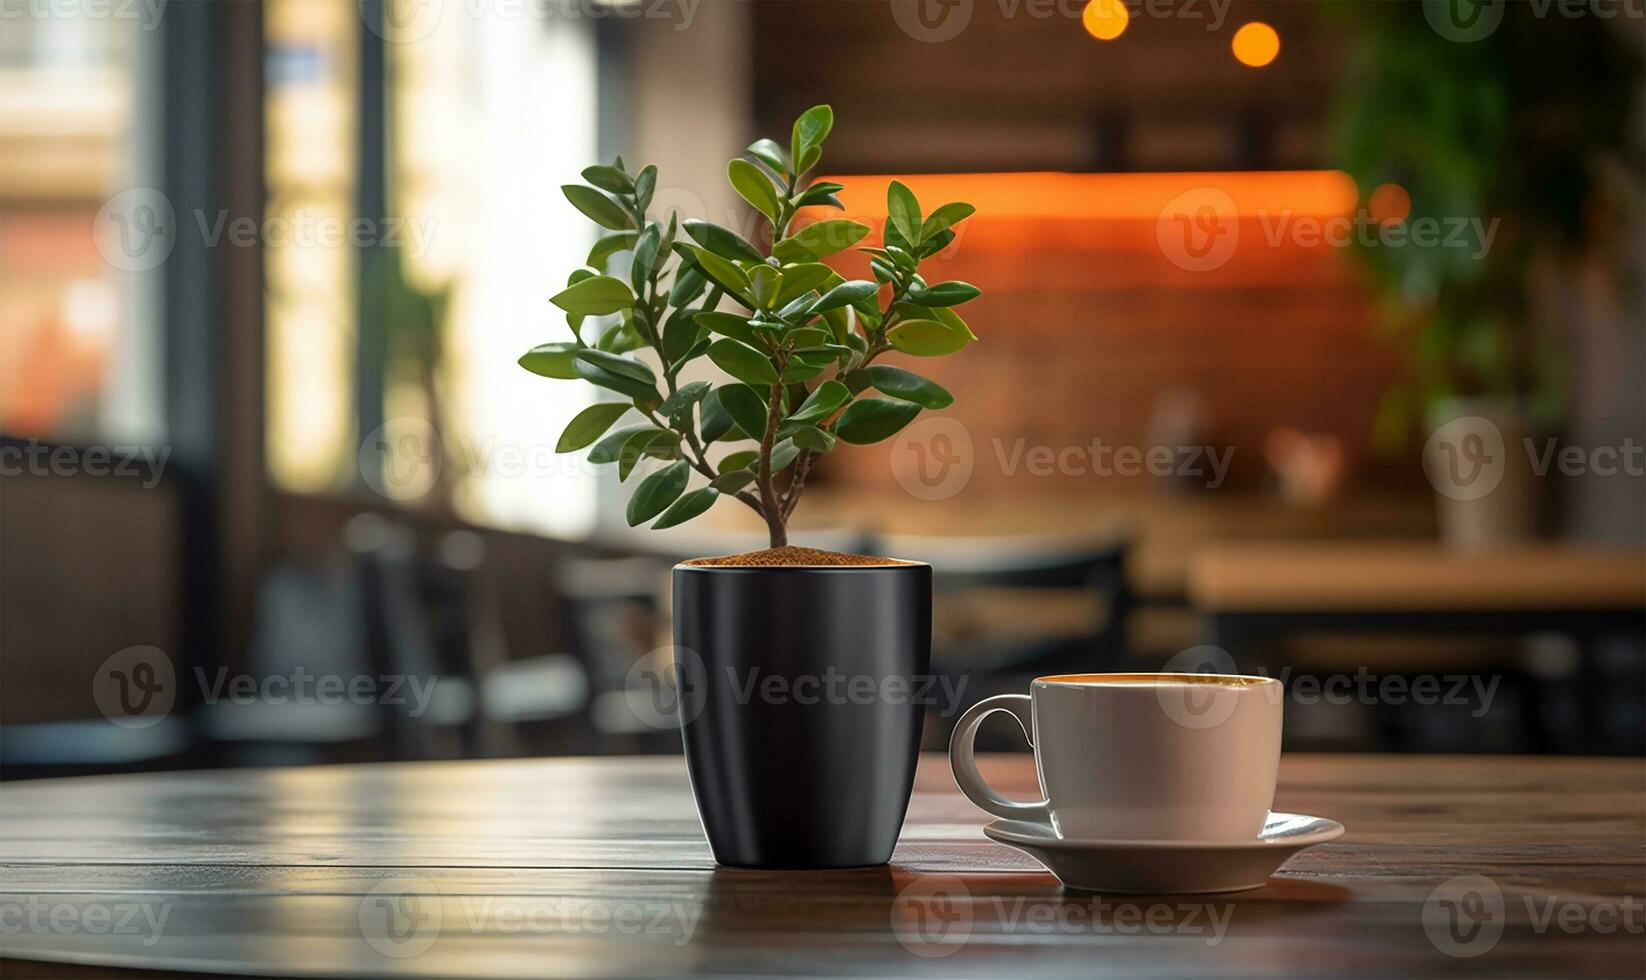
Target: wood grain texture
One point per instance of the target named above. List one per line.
(598, 867)
(1349, 575)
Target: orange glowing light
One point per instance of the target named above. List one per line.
(1256, 44)
(1105, 19)
(1389, 204)
(1105, 196)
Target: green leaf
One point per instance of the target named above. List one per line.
(721, 271)
(713, 420)
(822, 403)
(821, 193)
(944, 218)
(945, 294)
(904, 211)
(743, 362)
(910, 387)
(763, 279)
(742, 459)
(801, 279)
(952, 320)
(813, 438)
(698, 350)
(936, 244)
(728, 325)
(691, 505)
(679, 334)
(551, 360)
(783, 454)
(809, 339)
(688, 285)
(723, 242)
(610, 245)
(594, 296)
(822, 238)
(683, 399)
(644, 185)
(810, 130)
(799, 371)
(755, 187)
(746, 408)
(845, 294)
(643, 394)
(657, 492)
(645, 256)
(599, 208)
(589, 425)
(633, 451)
(628, 367)
(732, 481)
(927, 338)
(769, 153)
(609, 179)
(870, 420)
(610, 448)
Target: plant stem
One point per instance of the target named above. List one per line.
(769, 506)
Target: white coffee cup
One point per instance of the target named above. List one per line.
(1189, 757)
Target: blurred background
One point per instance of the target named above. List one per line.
(1312, 345)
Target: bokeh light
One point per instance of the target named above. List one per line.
(1389, 204)
(1105, 19)
(1256, 44)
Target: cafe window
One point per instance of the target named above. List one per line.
(80, 343)
(483, 118)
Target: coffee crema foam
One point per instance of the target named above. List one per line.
(1155, 680)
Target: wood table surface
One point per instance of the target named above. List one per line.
(598, 867)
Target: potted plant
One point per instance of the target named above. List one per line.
(1483, 129)
(797, 668)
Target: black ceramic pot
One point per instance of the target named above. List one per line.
(801, 705)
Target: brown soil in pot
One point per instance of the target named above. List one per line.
(793, 557)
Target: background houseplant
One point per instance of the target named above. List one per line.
(816, 770)
(800, 342)
(1516, 123)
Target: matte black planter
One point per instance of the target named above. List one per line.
(801, 707)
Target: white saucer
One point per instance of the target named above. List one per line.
(1167, 866)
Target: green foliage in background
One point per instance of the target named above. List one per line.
(1518, 126)
(798, 341)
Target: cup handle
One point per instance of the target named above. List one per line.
(963, 763)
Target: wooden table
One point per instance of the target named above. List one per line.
(597, 867)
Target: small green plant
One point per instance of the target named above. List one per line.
(800, 345)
